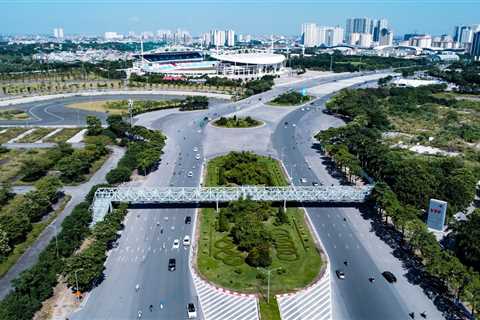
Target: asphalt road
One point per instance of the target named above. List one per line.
(141, 258)
(55, 112)
(355, 297)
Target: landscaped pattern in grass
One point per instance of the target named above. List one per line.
(288, 99)
(10, 134)
(63, 135)
(234, 122)
(36, 135)
(294, 255)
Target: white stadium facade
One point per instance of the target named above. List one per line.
(245, 64)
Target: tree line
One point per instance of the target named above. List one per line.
(405, 182)
(36, 284)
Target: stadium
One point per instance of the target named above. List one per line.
(234, 64)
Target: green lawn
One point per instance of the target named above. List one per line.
(63, 135)
(294, 254)
(269, 311)
(36, 135)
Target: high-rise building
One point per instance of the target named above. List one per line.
(463, 35)
(385, 37)
(475, 48)
(230, 38)
(314, 35)
(378, 26)
(218, 38)
(365, 40)
(358, 25)
(309, 35)
(111, 35)
(334, 36)
(58, 33)
(353, 38)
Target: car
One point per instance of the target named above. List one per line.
(340, 274)
(188, 220)
(303, 180)
(172, 264)
(186, 241)
(190, 174)
(176, 244)
(191, 311)
(197, 156)
(294, 125)
(195, 149)
(286, 123)
(315, 184)
(390, 277)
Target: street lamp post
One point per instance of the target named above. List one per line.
(76, 281)
(268, 271)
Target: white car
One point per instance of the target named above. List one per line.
(176, 244)
(190, 174)
(294, 125)
(303, 180)
(197, 156)
(195, 149)
(186, 241)
(191, 311)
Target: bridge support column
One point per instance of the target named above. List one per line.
(285, 205)
(216, 202)
(110, 207)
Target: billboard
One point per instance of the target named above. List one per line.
(437, 212)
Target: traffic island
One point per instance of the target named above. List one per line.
(237, 122)
(255, 247)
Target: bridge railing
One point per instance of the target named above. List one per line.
(343, 194)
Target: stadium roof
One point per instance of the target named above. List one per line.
(250, 58)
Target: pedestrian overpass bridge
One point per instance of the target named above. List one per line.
(104, 197)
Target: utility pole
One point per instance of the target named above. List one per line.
(130, 111)
(56, 239)
(76, 283)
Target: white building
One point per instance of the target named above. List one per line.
(334, 36)
(217, 38)
(353, 38)
(58, 33)
(314, 35)
(421, 41)
(110, 35)
(309, 35)
(230, 38)
(365, 40)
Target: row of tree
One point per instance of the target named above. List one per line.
(234, 122)
(290, 98)
(20, 211)
(405, 182)
(464, 73)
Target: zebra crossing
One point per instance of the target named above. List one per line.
(313, 303)
(221, 304)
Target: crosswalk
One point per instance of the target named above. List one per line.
(220, 304)
(313, 303)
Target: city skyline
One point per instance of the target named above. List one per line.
(279, 17)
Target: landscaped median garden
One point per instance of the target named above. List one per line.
(236, 122)
(237, 245)
(288, 99)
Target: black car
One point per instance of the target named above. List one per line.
(172, 264)
(389, 276)
(340, 274)
(188, 220)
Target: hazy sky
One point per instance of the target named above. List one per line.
(247, 16)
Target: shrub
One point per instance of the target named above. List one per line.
(118, 175)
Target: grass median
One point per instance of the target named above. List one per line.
(295, 260)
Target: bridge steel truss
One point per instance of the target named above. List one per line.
(137, 195)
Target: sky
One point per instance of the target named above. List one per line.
(260, 17)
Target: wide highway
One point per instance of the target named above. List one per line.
(146, 243)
